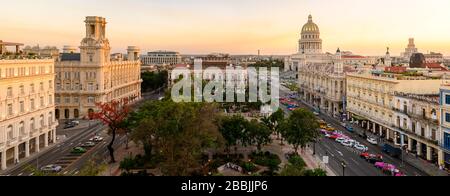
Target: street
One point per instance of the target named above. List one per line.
(337, 153)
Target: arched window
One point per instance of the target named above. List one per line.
(22, 128)
(41, 121)
(32, 124)
(10, 133)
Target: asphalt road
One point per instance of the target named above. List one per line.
(355, 166)
(72, 164)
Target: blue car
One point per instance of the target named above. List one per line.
(349, 128)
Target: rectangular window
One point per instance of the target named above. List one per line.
(50, 84)
(41, 100)
(41, 86)
(91, 100)
(32, 106)
(32, 88)
(67, 100)
(447, 117)
(9, 92)
(22, 107)
(76, 100)
(10, 109)
(447, 141)
(50, 100)
(447, 99)
(58, 100)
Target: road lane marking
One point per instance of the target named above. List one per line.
(20, 174)
(32, 174)
(76, 172)
(340, 153)
(355, 161)
(65, 172)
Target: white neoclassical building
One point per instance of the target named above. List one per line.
(89, 77)
(321, 75)
(27, 120)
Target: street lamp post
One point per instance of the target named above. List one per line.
(344, 165)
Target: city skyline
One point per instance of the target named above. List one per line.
(242, 28)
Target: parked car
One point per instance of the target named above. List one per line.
(51, 168)
(372, 159)
(361, 148)
(341, 140)
(316, 113)
(349, 129)
(372, 141)
(347, 143)
(79, 150)
(392, 151)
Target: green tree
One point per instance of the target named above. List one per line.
(179, 132)
(300, 128)
(258, 134)
(232, 129)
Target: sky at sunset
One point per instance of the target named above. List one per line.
(233, 26)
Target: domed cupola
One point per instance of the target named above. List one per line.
(310, 42)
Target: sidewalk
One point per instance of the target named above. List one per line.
(120, 154)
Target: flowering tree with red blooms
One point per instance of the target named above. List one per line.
(113, 114)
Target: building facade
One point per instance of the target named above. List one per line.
(27, 118)
(400, 109)
(91, 77)
(321, 76)
(445, 123)
(161, 57)
(410, 50)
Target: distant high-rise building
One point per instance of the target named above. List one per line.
(161, 57)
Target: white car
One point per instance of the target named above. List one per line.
(51, 168)
(372, 141)
(96, 139)
(341, 140)
(347, 143)
(361, 148)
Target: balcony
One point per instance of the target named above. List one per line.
(402, 111)
(23, 137)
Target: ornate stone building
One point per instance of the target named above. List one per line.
(89, 77)
(27, 118)
(321, 75)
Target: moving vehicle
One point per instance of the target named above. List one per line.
(89, 144)
(372, 141)
(372, 159)
(69, 126)
(349, 129)
(96, 139)
(392, 151)
(347, 143)
(51, 168)
(79, 150)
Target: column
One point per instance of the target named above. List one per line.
(46, 139)
(330, 107)
(410, 144)
(27, 148)
(388, 133)
(368, 126)
(16, 153)
(3, 160)
(381, 130)
(37, 144)
(429, 155)
(374, 127)
(441, 155)
(54, 136)
(419, 148)
(402, 140)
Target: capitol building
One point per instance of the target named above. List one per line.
(321, 75)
